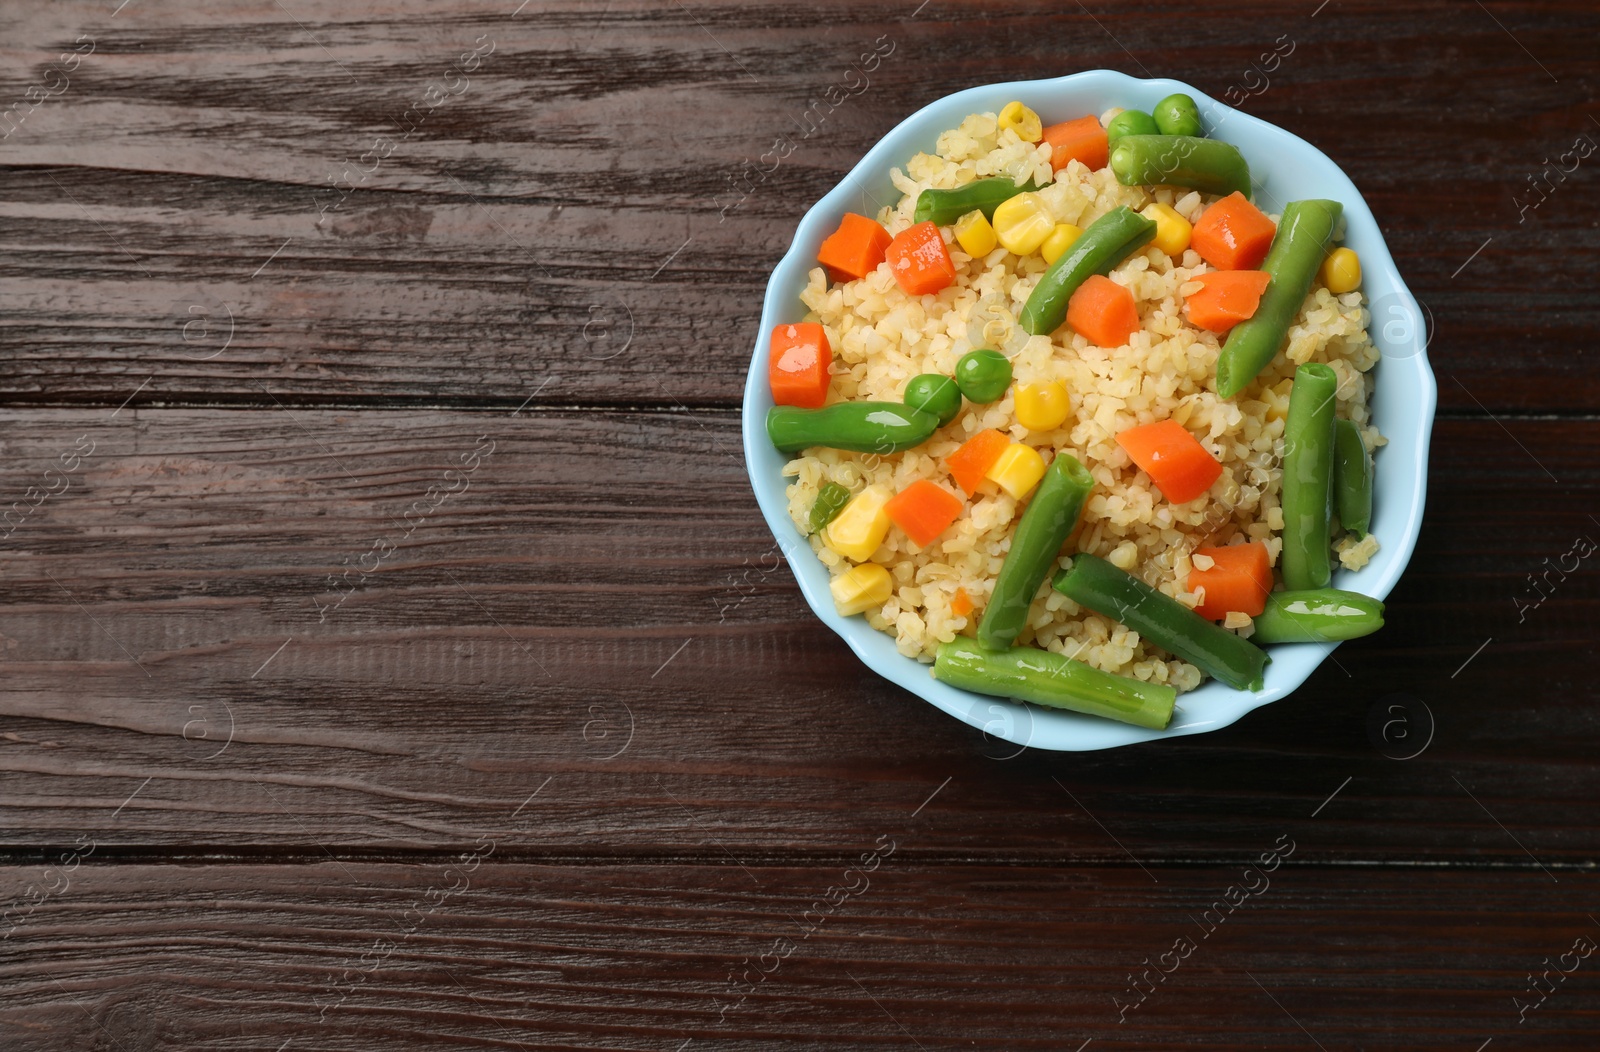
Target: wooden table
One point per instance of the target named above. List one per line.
(395, 656)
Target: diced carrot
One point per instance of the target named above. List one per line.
(1240, 579)
(1233, 234)
(1103, 311)
(1080, 140)
(924, 510)
(1226, 298)
(920, 261)
(961, 603)
(798, 365)
(977, 455)
(1173, 458)
(855, 249)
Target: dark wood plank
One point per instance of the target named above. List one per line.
(338, 955)
(572, 753)
(603, 571)
(565, 225)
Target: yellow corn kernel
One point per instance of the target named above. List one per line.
(1021, 120)
(861, 525)
(1023, 222)
(1341, 271)
(1041, 407)
(975, 235)
(1277, 399)
(861, 588)
(1060, 239)
(1018, 470)
(1172, 230)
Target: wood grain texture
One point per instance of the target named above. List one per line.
(600, 604)
(343, 956)
(569, 214)
(393, 654)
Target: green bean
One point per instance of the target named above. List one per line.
(1352, 477)
(862, 427)
(1109, 240)
(936, 394)
(831, 499)
(1208, 165)
(1096, 584)
(1307, 495)
(1045, 678)
(1317, 615)
(1298, 249)
(983, 375)
(1177, 114)
(946, 206)
(1131, 122)
(1037, 542)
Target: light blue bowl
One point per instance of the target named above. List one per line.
(1285, 167)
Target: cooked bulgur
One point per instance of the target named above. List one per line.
(884, 337)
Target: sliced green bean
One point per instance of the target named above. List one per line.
(985, 195)
(1131, 122)
(1109, 240)
(1352, 478)
(1317, 615)
(1307, 496)
(1045, 678)
(1177, 114)
(831, 499)
(1298, 249)
(862, 427)
(1113, 593)
(1208, 165)
(1037, 542)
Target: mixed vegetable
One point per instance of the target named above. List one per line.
(1261, 274)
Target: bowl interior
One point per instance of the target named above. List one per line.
(1283, 167)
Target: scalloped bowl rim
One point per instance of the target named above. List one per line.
(1403, 401)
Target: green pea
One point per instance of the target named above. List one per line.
(936, 394)
(1131, 122)
(983, 375)
(1177, 115)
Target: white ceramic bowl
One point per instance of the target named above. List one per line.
(1284, 167)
